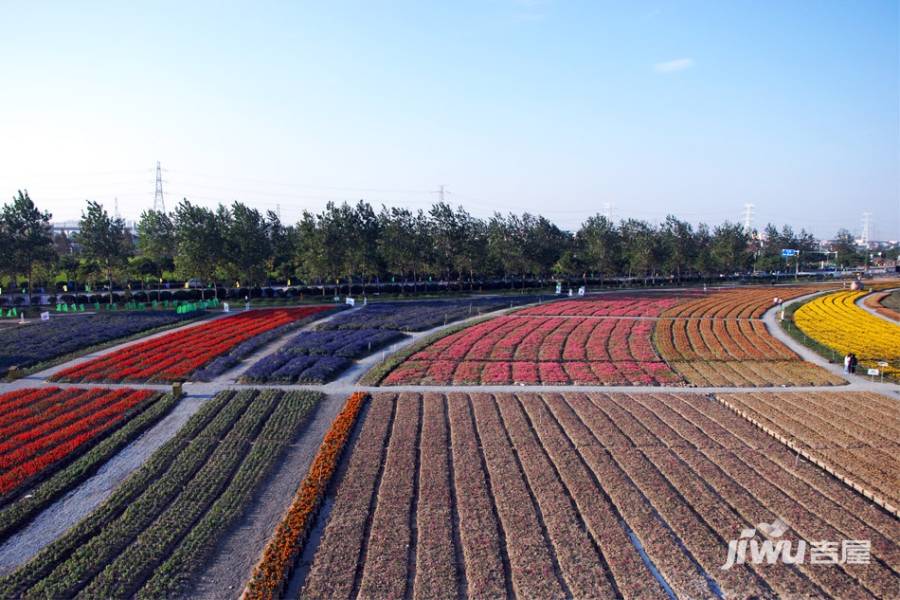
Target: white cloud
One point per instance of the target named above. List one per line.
(673, 66)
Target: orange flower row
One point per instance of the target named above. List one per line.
(272, 573)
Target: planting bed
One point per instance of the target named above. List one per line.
(161, 525)
(836, 321)
(612, 305)
(558, 349)
(27, 345)
(856, 434)
(177, 355)
(585, 496)
(419, 315)
(319, 356)
(887, 304)
(43, 429)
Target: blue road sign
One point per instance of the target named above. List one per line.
(789, 252)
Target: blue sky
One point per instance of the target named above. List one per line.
(691, 108)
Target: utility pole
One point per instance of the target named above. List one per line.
(748, 217)
(159, 204)
(608, 211)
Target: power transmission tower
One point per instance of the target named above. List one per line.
(748, 217)
(608, 211)
(278, 211)
(158, 202)
(441, 192)
(116, 208)
(866, 230)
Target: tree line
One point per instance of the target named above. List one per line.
(240, 246)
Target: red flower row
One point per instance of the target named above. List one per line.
(73, 417)
(447, 372)
(178, 354)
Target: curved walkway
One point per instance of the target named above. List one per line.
(861, 302)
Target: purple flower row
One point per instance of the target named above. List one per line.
(419, 315)
(28, 345)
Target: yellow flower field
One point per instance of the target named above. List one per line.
(835, 321)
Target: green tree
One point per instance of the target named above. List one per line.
(729, 248)
(156, 240)
(103, 239)
(599, 245)
(679, 246)
(199, 242)
(847, 254)
(26, 236)
(247, 243)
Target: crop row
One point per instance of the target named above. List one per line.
(750, 373)
(53, 426)
(28, 345)
(318, 356)
(159, 526)
(281, 552)
(582, 496)
(718, 339)
(176, 355)
(474, 372)
(855, 433)
(834, 320)
(611, 305)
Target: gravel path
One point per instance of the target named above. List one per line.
(79, 502)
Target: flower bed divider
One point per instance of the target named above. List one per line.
(274, 569)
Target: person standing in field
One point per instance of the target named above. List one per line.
(847, 363)
(853, 362)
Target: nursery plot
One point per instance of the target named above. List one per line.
(24, 346)
(43, 429)
(585, 496)
(532, 349)
(319, 356)
(856, 434)
(179, 354)
(161, 525)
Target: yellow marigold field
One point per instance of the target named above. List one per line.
(837, 322)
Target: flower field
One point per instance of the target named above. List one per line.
(857, 434)
(27, 345)
(419, 315)
(42, 429)
(176, 355)
(555, 349)
(161, 524)
(615, 305)
(738, 303)
(318, 356)
(581, 495)
(834, 320)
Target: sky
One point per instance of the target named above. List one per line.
(562, 108)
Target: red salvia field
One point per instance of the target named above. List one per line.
(176, 355)
(44, 427)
